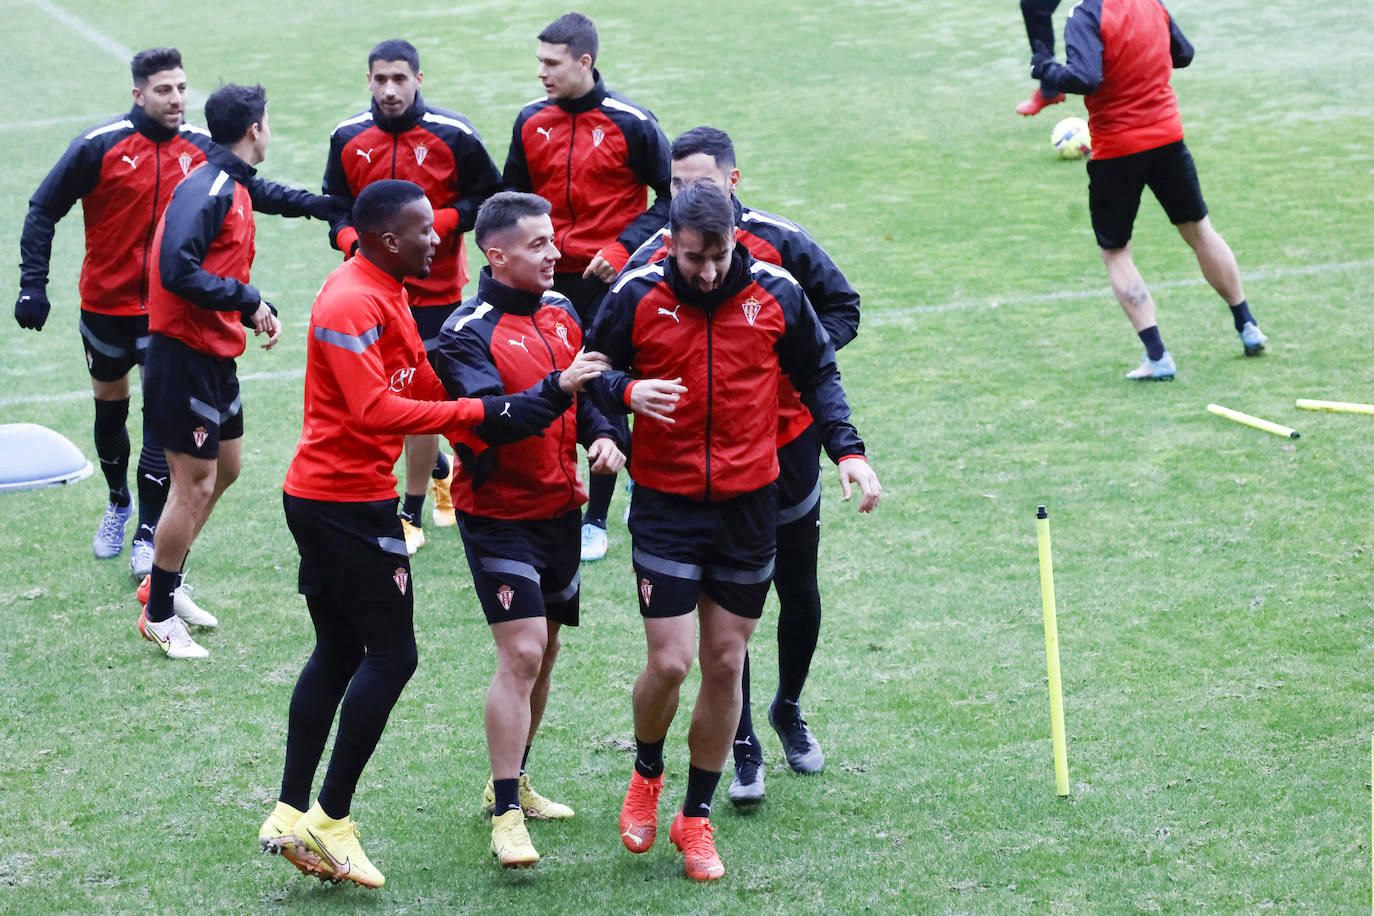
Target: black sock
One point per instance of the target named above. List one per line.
(441, 467)
(411, 509)
(746, 744)
(507, 795)
(784, 711)
(600, 489)
(1154, 346)
(112, 447)
(701, 785)
(649, 758)
(163, 583)
(525, 760)
(1240, 314)
(153, 485)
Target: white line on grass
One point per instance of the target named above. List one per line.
(53, 122)
(1273, 273)
(14, 400)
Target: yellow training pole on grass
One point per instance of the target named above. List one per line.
(1268, 426)
(1335, 406)
(1061, 753)
(1371, 822)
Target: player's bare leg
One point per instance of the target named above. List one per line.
(1129, 287)
(671, 649)
(1216, 259)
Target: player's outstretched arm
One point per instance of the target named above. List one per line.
(856, 470)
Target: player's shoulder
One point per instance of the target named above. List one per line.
(445, 120)
(637, 282)
(773, 277)
(350, 127)
(552, 299)
(109, 130)
(536, 107)
(618, 103)
(473, 316)
(760, 221)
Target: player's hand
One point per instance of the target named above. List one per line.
(656, 397)
(31, 309)
(264, 321)
(856, 470)
(509, 417)
(605, 457)
(600, 268)
(1041, 58)
(584, 367)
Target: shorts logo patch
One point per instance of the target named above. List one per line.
(401, 578)
(597, 136)
(751, 310)
(646, 591)
(200, 435)
(421, 152)
(505, 594)
(184, 160)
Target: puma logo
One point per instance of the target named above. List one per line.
(546, 131)
(505, 411)
(160, 481)
(133, 163)
(672, 314)
(518, 343)
(366, 154)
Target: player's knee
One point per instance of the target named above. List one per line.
(670, 664)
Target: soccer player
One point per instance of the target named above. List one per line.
(367, 384)
(519, 507)
(1039, 31)
(199, 299)
(1121, 55)
(402, 136)
(707, 333)
(594, 154)
(123, 172)
(707, 154)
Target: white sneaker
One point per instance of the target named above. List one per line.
(141, 559)
(109, 536)
(1252, 339)
(189, 611)
(593, 543)
(171, 637)
(1154, 370)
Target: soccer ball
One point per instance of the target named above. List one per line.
(1070, 137)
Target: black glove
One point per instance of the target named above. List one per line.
(478, 468)
(328, 207)
(1041, 58)
(511, 417)
(31, 310)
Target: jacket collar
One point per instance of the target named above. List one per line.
(737, 277)
(149, 128)
(508, 299)
(403, 121)
(222, 158)
(584, 103)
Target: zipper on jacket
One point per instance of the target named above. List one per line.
(710, 392)
(152, 227)
(563, 417)
(567, 193)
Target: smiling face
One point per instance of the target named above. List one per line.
(163, 97)
(523, 256)
(393, 85)
(702, 259)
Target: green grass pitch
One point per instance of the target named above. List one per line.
(1214, 582)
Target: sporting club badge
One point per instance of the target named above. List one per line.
(401, 577)
(561, 330)
(184, 160)
(421, 151)
(751, 310)
(200, 435)
(505, 594)
(597, 136)
(646, 591)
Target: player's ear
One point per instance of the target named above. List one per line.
(419, 78)
(734, 179)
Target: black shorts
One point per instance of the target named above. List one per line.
(190, 399)
(1115, 186)
(429, 321)
(799, 479)
(352, 553)
(114, 343)
(683, 549)
(525, 567)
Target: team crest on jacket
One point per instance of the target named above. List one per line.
(421, 151)
(505, 594)
(751, 310)
(646, 591)
(184, 160)
(561, 330)
(401, 578)
(597, 136)
(200, 435)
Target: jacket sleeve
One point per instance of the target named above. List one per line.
(653, 249)
(1082, 71)
(611, 334)
(591, 422)
(652, 165)
(74, 176)
(835, 301)
(478, 178)
(807, 356)
(516, 175)
(193, 221)
(336, 185)
(279, 200)
(1180, 49)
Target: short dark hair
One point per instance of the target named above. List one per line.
(394, 49)
(153, 60)
(712, 141)
(702, 207)
(232, 109)
(503, 211)
(375, 209)
(574, 30)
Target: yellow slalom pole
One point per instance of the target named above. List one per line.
(1256, 422)
(1061, 754)
(1335, 406)
(1371, 821)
